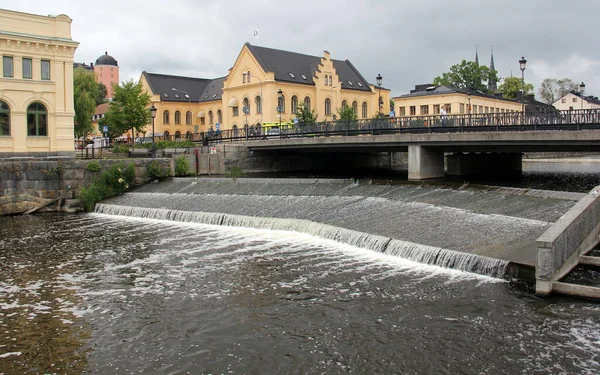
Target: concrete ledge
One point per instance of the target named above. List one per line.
(576, 290)
(589, 261)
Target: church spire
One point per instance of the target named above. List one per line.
(476, 56)
(492, 84)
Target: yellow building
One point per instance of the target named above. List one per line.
(249, 93)
(428, 99)
(36, 85)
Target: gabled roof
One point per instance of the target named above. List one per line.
(194, 88)
(299, 68)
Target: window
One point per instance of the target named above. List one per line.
(413, 110)
(235, 111)
(462, 108)
(292, 75)
(45, 69)
(436, 109)
(574, 100)
(188, 118)
(487, 109)
(448, 108)
(344, 104)
(365, 113)
(249, 75)
(177, 117)
(7, 66)
(355, 107)
(4, 119)
(202, 121)
(281, 104)
(327, 107)
(243, 77)
(166, 134)
(563, 100)
(37, 120)
(403, 111)
(307, 103)
(294, 104)
(330, 80)
(219, 116)
(211, 119)
(258, 102)
(27, 68)
(165, 117)
(350, 83)
(246, 106)
(177, 134)
(424, 109)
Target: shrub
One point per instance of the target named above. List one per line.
(235, 171)
(156, 171)
(115, 180)
(93, 166)
(182, 167)
(170, 144)
(120, 149)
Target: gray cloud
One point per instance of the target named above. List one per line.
(408, 42)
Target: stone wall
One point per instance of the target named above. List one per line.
(53, 185)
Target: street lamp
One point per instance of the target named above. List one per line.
(469, 106)
(380, 99)
(279, 105)
(522, 63)
(153, 115)
(581, 90)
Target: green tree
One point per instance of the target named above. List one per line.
(553, 89)
(128, 110)
(305, 115)
(102, 92)
(467, 76)
(346, 114)
(512, 86)
(85, 91)
(392, 104)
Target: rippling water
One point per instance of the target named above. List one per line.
(97, 294)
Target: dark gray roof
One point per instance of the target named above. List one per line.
(106, 59)
(589, 98)
(195, 88)
(425, 90)
(303, 67)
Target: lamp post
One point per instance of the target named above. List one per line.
(522, 63)
(261, 98)
(581, 90)
(279, 102)
(380, 99)
(153, 115)
(469, 107)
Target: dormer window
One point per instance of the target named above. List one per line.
(350, 83)
(360, 84)
(214, 95)
(303, 76)
(292, 75)
(165, 95)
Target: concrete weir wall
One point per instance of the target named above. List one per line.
(52, 185)
(573, 235)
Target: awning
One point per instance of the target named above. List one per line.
(201, 114)
(233, 102)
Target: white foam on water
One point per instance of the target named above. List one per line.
(5, 355)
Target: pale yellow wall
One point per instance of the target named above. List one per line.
(478, 104)
(573, 102)
(37, 37)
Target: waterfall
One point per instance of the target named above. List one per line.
(412, 251)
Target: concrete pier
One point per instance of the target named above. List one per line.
(425, 162)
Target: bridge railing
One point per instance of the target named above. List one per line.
(504, 121)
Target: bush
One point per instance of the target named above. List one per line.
(156, 171)
(120, 149)
(235, 171)
(93, 166)
(182, 167)
(115, 180)
(170, 144)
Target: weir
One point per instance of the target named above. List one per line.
(485, 230)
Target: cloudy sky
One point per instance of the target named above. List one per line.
(408, 42)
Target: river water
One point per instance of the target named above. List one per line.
(108, 294)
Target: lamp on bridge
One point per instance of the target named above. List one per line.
(153, 115)
(279, 105)
(469, 105)
(380, 100)
(522, 63)
(581, 90)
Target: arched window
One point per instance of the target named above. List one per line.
(365, 114)
(330, 80)
(327, 107)
(177, 134)
(281, 104)
(210, 117)
(246, 107)
(188, 118)
(37, 120)
(166, 134)
(4, 119)
(165, 117)
(249, 76)
(294, 104)
(177, 117)
(219, 116)
(235, 131)
(355, 107)
(344, 104)
(258, 102)
(188, 135)
(307, 103)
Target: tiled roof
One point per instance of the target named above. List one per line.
(299, 68)
(101, 109)
(194, 88)
(442, 90)
(588, 98)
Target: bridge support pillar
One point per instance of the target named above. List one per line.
(482, 163)
(425, 162)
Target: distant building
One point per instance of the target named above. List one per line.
(107, 72)
(576, 100)
(427, 99)
(84, 66)
(533, 105)
(36, 86)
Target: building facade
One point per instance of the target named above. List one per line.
(249, 94)
(36, 85)
(428, 99)
(576, 100)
